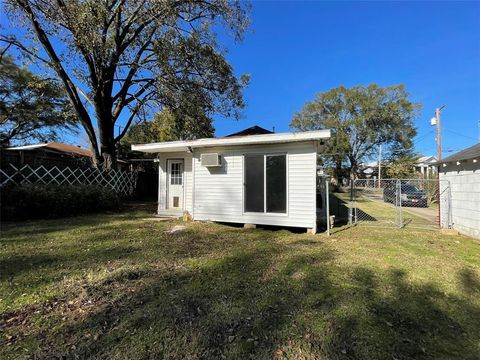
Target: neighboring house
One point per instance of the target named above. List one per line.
(370, 170)
(462, 170)
(47, 154)
(51, 154)
(267, 179)
(426, 166)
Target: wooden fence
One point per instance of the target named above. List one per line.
(120, 181)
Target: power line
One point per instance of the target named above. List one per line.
(452, 150)
(458, 134)
(424, 136)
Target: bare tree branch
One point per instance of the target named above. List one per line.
(57, 66)
(14, 42)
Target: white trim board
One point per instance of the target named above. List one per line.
(173, 146)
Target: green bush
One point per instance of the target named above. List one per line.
(32, 201)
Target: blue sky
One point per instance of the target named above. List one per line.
(294, 50)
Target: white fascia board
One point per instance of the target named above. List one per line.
(173, 146)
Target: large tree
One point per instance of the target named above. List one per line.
(361, 118)
(31, 107)
(118, 59)
(167, 125)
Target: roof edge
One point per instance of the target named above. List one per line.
(470, 153)
(232, 141)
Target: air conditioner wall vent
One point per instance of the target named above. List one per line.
(211, 160)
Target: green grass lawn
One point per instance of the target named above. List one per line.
(118, 286)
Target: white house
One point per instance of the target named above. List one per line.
(462, 170)
(426, 166)
(267, 179)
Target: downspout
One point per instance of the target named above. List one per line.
(159, 194)
(193, 185)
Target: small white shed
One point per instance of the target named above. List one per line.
(462, 170)
(256, 179)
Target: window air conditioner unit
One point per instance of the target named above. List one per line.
(211, 160)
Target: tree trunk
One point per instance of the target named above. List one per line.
(103, 110)
(96, 160)
(338, 173)
(109, 156)
(353, 168)
(107, 145)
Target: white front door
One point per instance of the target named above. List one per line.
(175, 184)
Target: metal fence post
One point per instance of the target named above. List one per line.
(439, 212)
(449, 198)
(327, 200)
(350, 208)
(398, 204)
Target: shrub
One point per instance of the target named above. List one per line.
(30, 201)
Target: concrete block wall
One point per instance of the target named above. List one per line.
(464, 181)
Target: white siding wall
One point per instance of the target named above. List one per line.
(465, 194)
(187, 180)
(218, 194)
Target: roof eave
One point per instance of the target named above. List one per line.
(474, 159)
(179, 146)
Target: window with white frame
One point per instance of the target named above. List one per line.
(266, 183)
(176, 174)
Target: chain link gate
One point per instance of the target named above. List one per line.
(420, 203)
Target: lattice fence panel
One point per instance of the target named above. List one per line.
(122, 182)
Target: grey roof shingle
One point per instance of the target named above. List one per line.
(254, 130)
(466, 154)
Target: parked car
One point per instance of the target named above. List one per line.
(410, 195)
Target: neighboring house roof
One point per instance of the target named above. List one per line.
(27, 147)
(426, 160)
(469, 153)
(254, 130)
(188, 145)
(370, 164)
(55, 146)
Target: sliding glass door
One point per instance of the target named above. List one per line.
(254, 183)
(265, 181)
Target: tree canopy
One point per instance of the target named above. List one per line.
(168, 125)
(402, 167)
(121, 60)
(361, 118)
(31, 107)
(165, 127)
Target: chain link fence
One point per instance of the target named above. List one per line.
(399, 203)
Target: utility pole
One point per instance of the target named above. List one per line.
(379, 165)
(439, 135)
(436, 121)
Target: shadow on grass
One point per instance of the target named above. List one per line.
(470, 282)
(270, 301)
(14, 266)
(47, 226)
(340, 208)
